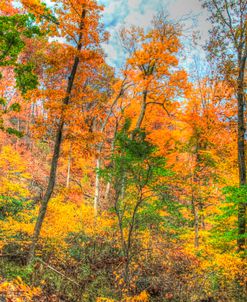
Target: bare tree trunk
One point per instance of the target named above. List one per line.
(143, 110)
(108, 185)
(27, 126)
(241, 153)
(196, 222)
(202, 217)
(68, 170)
(48, 192)
(19, 122)
(97, 188)
(107, 190)
(56, 152)
(194, 213)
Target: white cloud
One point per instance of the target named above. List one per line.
(119, 13)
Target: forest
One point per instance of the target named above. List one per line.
(126, 182)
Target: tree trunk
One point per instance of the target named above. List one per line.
(107, 190)
(97, 188)
(57, 147)
(48, 192)
(100, 147)
(196, 221)
(241, 154)
(143, 110)
(68, 170)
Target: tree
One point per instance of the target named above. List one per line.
(144, 188)
(228, 47)
(78, 23)
(205, 123)
(153, 66)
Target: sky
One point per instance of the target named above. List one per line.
(119, 13)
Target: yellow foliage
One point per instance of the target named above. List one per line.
(64, 217)
(18, 291)
(13, 175)
(142, 297)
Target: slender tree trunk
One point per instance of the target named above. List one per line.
(143, 110)
(196, 202)
(19, 122)
(241, 155)
(202, 217)
(196, 219)
(69, 168)
(97, 188)
(108, 185)
(128, 244)
(107, 190)
(48, 192)
(100, 147)
(57, 147)
(27, 132)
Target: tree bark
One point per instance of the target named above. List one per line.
(57, 147)
(143, 110)
(107, 190)
(108, 185)
(196, 222)
(241, 152)
(68, 169)
(97, 188)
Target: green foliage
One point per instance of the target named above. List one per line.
(16, 107)
(10, 206)
(225, 230)
(136, 166)
(235, 195)
(3, 102)
(14, 132)
(11, 270)
(13, 31)
(25, 78)
(141, 197)
(135, 157)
